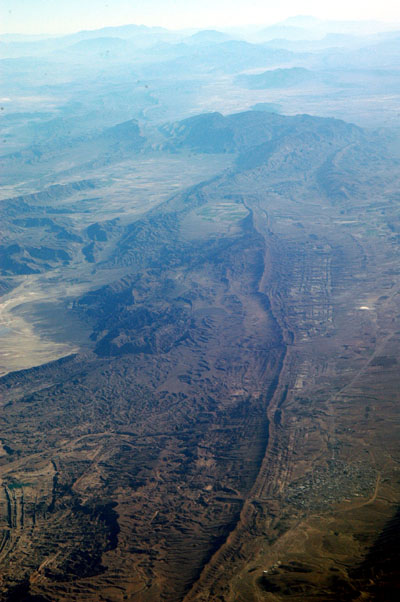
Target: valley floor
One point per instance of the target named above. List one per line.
(229, 430)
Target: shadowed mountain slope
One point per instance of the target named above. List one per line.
(231, 431)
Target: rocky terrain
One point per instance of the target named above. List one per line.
(226, 427)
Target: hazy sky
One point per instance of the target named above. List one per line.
(61, 16)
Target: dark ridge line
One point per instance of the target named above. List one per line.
(213, 564)
(28, 371)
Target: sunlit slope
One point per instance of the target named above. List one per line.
(231, 433)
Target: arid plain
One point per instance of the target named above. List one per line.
(200, 331)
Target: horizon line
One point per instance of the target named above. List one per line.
(203, 27)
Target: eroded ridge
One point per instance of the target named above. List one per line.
(231, 432)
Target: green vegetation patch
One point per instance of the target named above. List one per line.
(227, 212)
(16, 485)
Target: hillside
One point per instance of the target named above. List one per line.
(225, 427)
